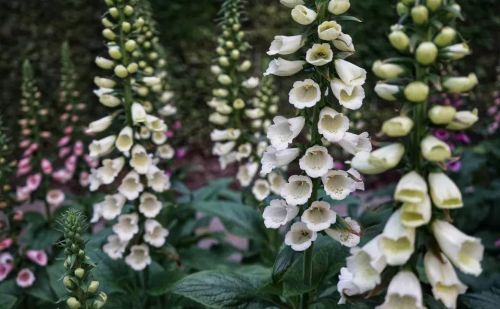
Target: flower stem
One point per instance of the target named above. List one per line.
(304, 298)
(127, 88)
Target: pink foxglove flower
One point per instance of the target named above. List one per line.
(6, 265)
(46, 166)
(170, 134)
(55, 197)
(38, 257)
(18, 215)
(25, 278)
(22, 194)
(180, 153)
(63, 141)
(6, 243)
(78, 148)
(33, 182)
(45, 134)
(177, 125)
(64, 152)
(24, 144)
(68, 130)
(24, 162)
(23, 170)
(84, 179)
(61, 176)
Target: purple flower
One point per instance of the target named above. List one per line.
(441, 134)
(454, 166)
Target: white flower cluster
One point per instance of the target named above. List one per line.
(425, 184)
(333, 78)
(134, 145)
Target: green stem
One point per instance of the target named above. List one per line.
(127, 87)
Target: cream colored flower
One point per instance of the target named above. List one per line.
(378, 161)
(338, 185)
(303, 15)
(261, 189)
(158, 180)
(131, 186)
(350, 97)
(352, 143)
(316, 161)
(297, 190)
(338, 7)
(414, 215)
(387, 91)
(285, 45)
(112, 206)
(102, 147)
(276, 182)
(155, 234)
(404, 292)
(445, 193)
(348, 236)
(300, 237)
(282, 67)
(349, 73)
(397, 126)
(434, 149)
(304, 94)
(246, 173)
(125, 140)
(319, 216)
(141, 161)
(332, 125)
(149, 205)
(329, 30)
(344, 43)
(411, 188)
(114, 247)
(273, 158)
(397, 242)
(139, 258)
(127, 226)
(225, 135)
(278, 214)
(463, 120)
(283, 131)
(319, 54)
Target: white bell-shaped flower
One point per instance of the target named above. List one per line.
(244, 151)
(344, 43)
(303, 15)
(158, 180)
(297, 190)
(149, 206)
(127, 226)
(411, 188)
(155, 124)
(444, 281)
(350, 97)
(285, 45)
(434, 149)
(227, 159)
(304, 94)
(397, 242)
(273, 158)
(221, 149)
(246, 173)
(348, 236)
(165, 152)
(416, 214)
(397, 126)
(278, 214)
(299, 237)
(366, 264)
(338, 184)
(138, 258)
(386, 91)
(100, 125)
(316, 161)
(444, 192)
(378, 161)
(332, 125)
(99, 148)
(346, 286)
(404, 292)
(283, 131)
(355, 143)
(329, 30)
(291, 3)
(261, 189)
(141, 161)
(319, 54)
(115, 247)
(110, 169)
(282, 67)
(155, 234)
(112, 206)
(319, 216)
(125, 140)
(138, 113)
(350, 74)
(338, 7)
(225, 135)
(218, 119)
(276, 182)
(466, 252)
(131, 186)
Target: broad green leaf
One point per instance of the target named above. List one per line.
(283, 262)
(211, 191)
(483, 300)
(161, 280)
(7, 301)
(41, 289)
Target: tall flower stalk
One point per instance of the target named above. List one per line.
(330, 83)
(420, 229)
(239, 117)
(131, 147)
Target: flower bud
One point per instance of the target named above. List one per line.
(109, 100)
(128, 10)
(303, 15)
(397, 126)
(73, 303)
(68, 283)
(433, 5)
(114, 12)
(445, 37)
(399, 40)
(80, 272)
(434, 150)
(115, 53)
(456, 52)
(420, 14)
(386, 91)
(387, 70)
(121, 71)
(402, 9)
(130, 45)
(463, 120)
(109, 34)
(329, 30)
(239, 104)
(460, 84)
(440, 114)
(220, 51)
(93, 286)
(104, 82)
(245, 66)
(426, 53)
(416, 92)
(338, 7)
(106, 23)
(224, 79)
(444, 192)
(126, 27)
(224, 61)
(235, 54)
(104, 63)
(132, 67)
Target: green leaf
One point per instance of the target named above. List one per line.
(160, 280)
(349, 18)
(211, 191)
(221, 288)
(239, 219)
(283, 262)
(56, 273)
(41, 289)
(483, 300)
(7, 301)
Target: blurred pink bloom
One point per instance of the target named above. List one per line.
(22, 194)
(497, 243)
(177, 125)
(24, 162)
(63, 141)
(34, 147)
(78, 148)
(18, 215)
(23, 170)
(81, 106)
(68, 107)
(46, 166)
(6, 243)
(25, 278)
(91, 161)
(339, 165)
(70, 164)
(64, 117)
(64, 152)
(25, 132)
(33, 181)
(55, 197)
(462, 137)
(45, 134)
(61, 176)
(169, 134)
(38, 257)
(441, 134)
(68, 130)
(84, 179)
(454, 166)
(180, 152)
(25, 143)
(74, 118)
(6, 265)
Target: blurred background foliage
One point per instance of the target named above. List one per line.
(36, 28)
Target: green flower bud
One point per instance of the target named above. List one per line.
(387, 70)
(93, 286)
(109, 34)
(399, 40)
(245, 66)
(114, 52)
(104, 63)
(109, 2)
(139, 23)
(402, 9)
(106, 23)
(460, 84)
(416, 92)
(114, 12)
(426, 53)
(445, 37)
(420, 14)
(397, 126)
(130, 45)
(224, 61)
(229, 44)
(80, 272)
(408, 2)
(68, 283)
(126, 27)
(73, 303)
(121, 71)
(132, 68)
(433, 5)
(128, 10)
(235, 54)
(220, 51)
(442, 114)
(239, 104)
(224, 79)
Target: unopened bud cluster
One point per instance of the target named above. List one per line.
(425, 194)
(329, 83)
(83, 292)
(133, 144)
